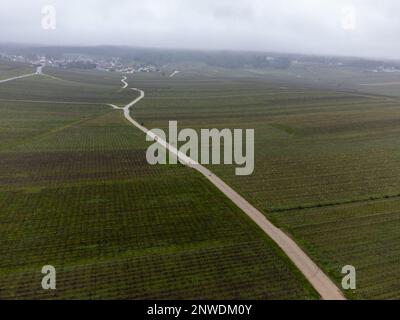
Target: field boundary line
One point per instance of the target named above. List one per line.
(54, 102)
(317, 278)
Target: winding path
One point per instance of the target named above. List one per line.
(318, 279)
(124, 82)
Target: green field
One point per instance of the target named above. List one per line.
(327, 157)
(76, 188)
(76, 192)
(13, 69)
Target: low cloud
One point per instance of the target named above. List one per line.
(307, 26)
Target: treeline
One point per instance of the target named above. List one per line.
(80, 65)
(226, 59)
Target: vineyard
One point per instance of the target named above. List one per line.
(13, 69)
(76, 192)
(326, 159)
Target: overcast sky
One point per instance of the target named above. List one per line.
(343, 27)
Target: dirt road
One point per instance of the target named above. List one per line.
(124, 82)
(38, 71)
(19, 77)
(318, 279)
(173, 74)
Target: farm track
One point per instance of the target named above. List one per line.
(19, 77)
(173, 74)
(51, 102)
(38, 72)
(318, 279)
(124, 82)
(323, 285)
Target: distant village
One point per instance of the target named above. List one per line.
(82, 62)
(116, 64)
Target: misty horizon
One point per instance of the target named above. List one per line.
(194, 50)
(343, 28)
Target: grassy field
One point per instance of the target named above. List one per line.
(9, 70)
(327, 157)
(76, 192)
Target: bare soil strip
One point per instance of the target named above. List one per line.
(318, 279)
(38, 71)
(124, 82)
(52, 102)
(173, 74)
(19, 77)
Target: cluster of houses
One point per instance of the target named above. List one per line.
(80, 62)
(114, 65)
(387, 69)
